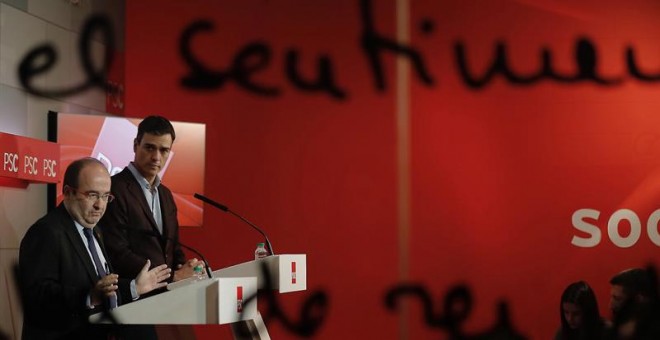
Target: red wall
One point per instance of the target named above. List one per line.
(496, 173)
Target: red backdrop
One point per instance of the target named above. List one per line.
(496, 174)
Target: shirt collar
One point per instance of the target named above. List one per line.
(143, 181)
(80, 227)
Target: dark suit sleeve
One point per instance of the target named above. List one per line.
(128, 228)
(179, 256)
(125, 262)
(46, 292)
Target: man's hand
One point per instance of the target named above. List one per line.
(104, 288)
(186, 270)
(148, 280)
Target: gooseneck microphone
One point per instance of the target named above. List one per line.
(225, 209)
(157, 235)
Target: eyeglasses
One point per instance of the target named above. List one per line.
(94, 196)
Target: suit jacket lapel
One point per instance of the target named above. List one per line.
(164, 207)
(77, 243)
(135, 190)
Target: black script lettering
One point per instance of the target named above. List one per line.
(312, 314)
(548, 69)
(29, 66)
(586, 59)
(199, 77)
(635, 71)
(498, 65)
(457, 306)
(251, 59)
(373, 44)
(324, 82)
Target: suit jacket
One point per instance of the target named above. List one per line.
(56, 276)
(130, 230)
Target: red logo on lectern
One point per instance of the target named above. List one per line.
(239, 299)
(293, 273)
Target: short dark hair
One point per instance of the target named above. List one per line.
(635, 281)
(155, 125)
(72, 173)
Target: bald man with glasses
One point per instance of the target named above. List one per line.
(65, 273)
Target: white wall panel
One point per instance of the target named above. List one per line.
(13, 110)
(19, 33)
(94, 97)
(57, 12)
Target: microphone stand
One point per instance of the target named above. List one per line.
(208, 268)
(225, 209)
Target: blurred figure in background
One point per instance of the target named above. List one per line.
(629, 289)
(635, 305)
(579, 315)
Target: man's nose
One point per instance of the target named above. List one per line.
(98, 204)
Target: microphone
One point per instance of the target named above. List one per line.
(225, 209)
(155, 234)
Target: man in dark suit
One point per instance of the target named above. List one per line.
(142, 221)
(60, 255)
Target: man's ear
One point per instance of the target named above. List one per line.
(67, 190)
(135, 144)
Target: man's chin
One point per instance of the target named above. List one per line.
(92, 222)
(153, 172)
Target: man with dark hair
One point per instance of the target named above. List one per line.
(633, 302)
(142, 222)
(64, 272)
(628, 288)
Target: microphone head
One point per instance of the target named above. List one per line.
(210, 201)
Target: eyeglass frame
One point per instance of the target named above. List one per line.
(94, 196)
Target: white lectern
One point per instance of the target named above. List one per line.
(214, 301)
(288, 273)
(218, 300)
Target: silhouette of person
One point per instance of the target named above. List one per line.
(579, 314)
